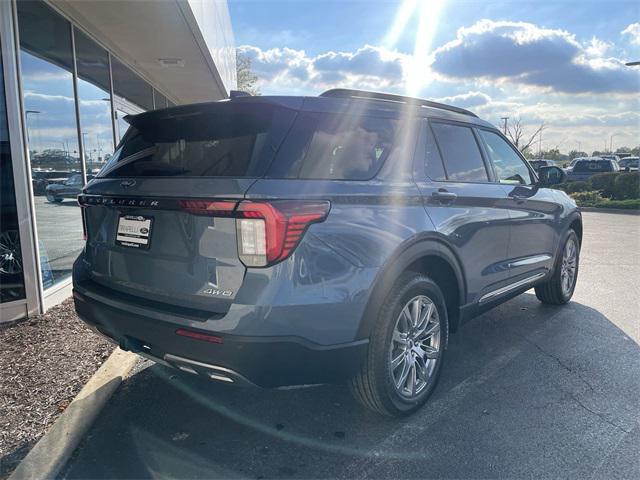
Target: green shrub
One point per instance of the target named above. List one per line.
(630, 204)
(627, 186)
(604, 183)
(587, 199)
(574, 187)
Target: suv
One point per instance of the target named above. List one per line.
(278, 241)
(587, 167)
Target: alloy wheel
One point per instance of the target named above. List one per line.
(415, 346)
(569, 266)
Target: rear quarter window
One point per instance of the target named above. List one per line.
(327, 146)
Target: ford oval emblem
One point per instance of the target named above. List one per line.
(127, 183)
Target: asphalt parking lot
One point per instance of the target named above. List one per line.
(527, 391)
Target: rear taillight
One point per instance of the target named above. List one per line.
(269, 231)
(209, 208)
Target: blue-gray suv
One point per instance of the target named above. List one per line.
(278, 241)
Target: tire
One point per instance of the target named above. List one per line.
(554, 291)
(378, 385)
(53, 199)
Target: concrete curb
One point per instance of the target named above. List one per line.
(628, 211)
(50, 454)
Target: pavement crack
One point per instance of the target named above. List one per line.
(597, 414)
(561, 363)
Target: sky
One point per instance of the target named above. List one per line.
(559, 62)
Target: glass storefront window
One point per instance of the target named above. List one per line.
(52, 136)
(160, 100)
(11, 274)
(130, 86)
(92, 63)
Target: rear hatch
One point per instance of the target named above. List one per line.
(157, 216)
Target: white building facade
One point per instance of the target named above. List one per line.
(71, 70)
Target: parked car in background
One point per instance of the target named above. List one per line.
(572, 164)
(610, 157)
(622, 155)
(585, 168)
(40, 179)
(70, 188)
(629, 164)
(297, 240)
(541, 162)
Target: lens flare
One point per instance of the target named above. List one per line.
(419, 67)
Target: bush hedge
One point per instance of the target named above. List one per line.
(605, 183)
(614, 185)
(627, 186)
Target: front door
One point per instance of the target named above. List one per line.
(467, 207)
(533, 210)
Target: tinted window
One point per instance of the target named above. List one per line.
(461, 154)
(223, 140)
(127, 84)
(433, 162)
(335, 147)
(509, 166)
(593, 166)
(94, 101)
(159, 100)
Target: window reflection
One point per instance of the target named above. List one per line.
(52, 136)
(159, 99)
(92, 63)
(131, 87)
(11, 272)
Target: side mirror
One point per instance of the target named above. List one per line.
(549, 176)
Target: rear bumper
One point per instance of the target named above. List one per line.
(262, 361)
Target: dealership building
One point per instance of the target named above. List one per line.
(71, 71)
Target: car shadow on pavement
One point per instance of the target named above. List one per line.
(527, 390)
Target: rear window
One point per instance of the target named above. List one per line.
(335, 147)
(218, 140)
(593, 166)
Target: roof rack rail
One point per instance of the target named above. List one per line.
(388, 97)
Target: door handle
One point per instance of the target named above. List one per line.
(443, 196)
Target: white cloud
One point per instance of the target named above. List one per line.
(467, 100)
(367, 67)
(523, 53)
(633, 31)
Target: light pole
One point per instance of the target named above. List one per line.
(611, 142)
(26, 119)
(505, 124)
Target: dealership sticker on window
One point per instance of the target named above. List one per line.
(134, 231)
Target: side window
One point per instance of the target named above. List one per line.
(335, 147)
(509, 166)
(461, 154)
(433, 166)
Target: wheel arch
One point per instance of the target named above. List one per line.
(430, 256)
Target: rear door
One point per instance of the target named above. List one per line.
(158, 215)
(534, 211)
(466, 206)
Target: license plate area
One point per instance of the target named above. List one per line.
(134, 231)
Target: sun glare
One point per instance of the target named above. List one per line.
(428, 14)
